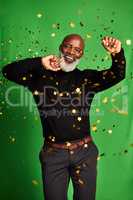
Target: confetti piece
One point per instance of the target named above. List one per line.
(29, 50)
(105, 100)
(78, 90)
(81, 182)
(73, 111)
(97, 110)
(94, 128)
(88, 36)
(36, 92)
(10, 41)
(128, 42)
(35, 182)
(71, 152)
(24, 78)
(79, 119)
(109, 131)
(53, 34)
(72, 24)
(39, 15)
(85, 145)
(98, 121)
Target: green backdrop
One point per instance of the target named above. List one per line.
(31, 28)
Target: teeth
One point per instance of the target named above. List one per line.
(69, 57)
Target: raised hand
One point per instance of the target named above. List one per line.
(51, 62)
(111, 44)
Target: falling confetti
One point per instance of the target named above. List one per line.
(39, 15)
(109, 131)
(105, 100)
(35, 182)
(72, 24)
(128, 42)
(94, 128)
(88, 36)
(53, 34)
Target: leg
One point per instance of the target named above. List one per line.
(83, 173)
(54, 173)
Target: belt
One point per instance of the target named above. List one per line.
(71, 145)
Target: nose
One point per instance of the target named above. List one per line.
(71, 51)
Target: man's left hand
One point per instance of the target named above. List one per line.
(112, 45)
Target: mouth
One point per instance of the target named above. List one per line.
(68, 59)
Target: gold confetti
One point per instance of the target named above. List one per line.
(68, 144)
(72, 24)
(94, 128)
(36, 92)
(73, 111)
(35, 182)
(128, 42)
(39, 15)
(88, 36)
(53, 34)
(71, 152)
(99, 157)
(98, 121)
(97, 110)
(77, 171)
(24, 78)
(29, 50)
(61, 94)
(109, 131)
(53, 139)
(113, 100)
(105, 100)
(10, 41)
(79, 119)
(78, 90)
(81, 181)
(85, 145)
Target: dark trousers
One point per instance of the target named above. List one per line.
(59, 165)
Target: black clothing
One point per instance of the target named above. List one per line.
(64, 98)
(59, 165)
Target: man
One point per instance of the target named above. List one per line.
(63, 95)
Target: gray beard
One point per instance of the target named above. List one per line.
(68, 67)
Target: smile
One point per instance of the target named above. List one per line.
(68, 58)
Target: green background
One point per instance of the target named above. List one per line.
(31, 28)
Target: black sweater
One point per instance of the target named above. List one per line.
(64, 98)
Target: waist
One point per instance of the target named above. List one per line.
(71, 145)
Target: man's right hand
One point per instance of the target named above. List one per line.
(51, 62)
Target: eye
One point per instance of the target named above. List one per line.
(78, 50)
(66, 45)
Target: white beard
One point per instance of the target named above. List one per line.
(68, 67)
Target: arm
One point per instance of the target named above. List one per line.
(23, 72)
(101, 80)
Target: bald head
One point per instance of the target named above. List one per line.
(74, 37)
(72, 47)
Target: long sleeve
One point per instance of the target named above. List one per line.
(23, 72)
(104, 79)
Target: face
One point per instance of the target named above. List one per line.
(72, 49)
